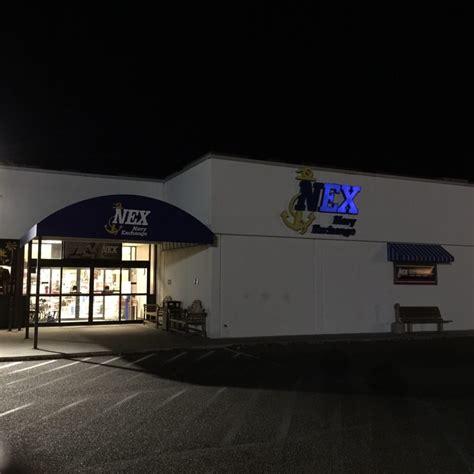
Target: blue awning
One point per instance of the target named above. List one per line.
(418, 253)
(123, 217)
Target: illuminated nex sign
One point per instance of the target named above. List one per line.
(315, 197)
(128, 222)
(309, 198)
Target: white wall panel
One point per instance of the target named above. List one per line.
(191, 191)
(356, 293)
(249, 197)
(181, 269)
(266, 286)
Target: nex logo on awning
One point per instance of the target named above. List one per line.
(136, 218)
(321, 197)
(130, 216)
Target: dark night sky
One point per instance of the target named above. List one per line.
(143, 91)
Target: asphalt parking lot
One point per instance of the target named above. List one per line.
(358, 407)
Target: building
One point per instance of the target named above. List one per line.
(269, 248)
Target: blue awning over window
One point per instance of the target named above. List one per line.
(418, 253)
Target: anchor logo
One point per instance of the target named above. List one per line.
(295, 219)
(111, 227)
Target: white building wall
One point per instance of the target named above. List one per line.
(28, 196)
(248, 198)
(266, 286)
(274, 281)
(187, 277)
(355, 282)
(191, 191)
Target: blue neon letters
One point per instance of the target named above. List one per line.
(310, 194)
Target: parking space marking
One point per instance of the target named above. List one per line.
(69, 375)
(31, 367)
(123, 367)
(14, 410)
(240, 419)
(206, 354)
(139, 360)
(47, 371)
(67, 407)
(172, 359)
(284, 428)
(11, 364)
(172, 397)
(121, 402)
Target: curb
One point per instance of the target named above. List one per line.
(75, 355)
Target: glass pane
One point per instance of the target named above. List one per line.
(49, 249)
(134, 280)
(106, 280)
(48, 309)
(49, 281)
(133, 252)
(106, 308)
(132, 307)
(76, 280)
(74, 308)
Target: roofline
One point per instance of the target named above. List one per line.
(248, 160)
(190, 165)
(78, 173)
(243, 159)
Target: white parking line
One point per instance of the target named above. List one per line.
(32, 367)
(174, 358)
(172, 397)
(14, 410)
(10, 365)
(69, 375)
(121, 402)
(67, 407)
(207, 354)
(47, 371)
(139, 360)
(288, 412)
(238, 421)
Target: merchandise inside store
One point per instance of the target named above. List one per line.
(83, 282)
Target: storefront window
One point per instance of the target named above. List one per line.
(50, 279)
(415, 274)
(76, 280)
(132, 307)
(106, 280)
(86, 293)
(136, 252)
(48, 309)
(50, 249)
(134, 280)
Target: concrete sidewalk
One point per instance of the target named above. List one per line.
(56, 342)
(82, 341)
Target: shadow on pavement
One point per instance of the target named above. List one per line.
(438, 368)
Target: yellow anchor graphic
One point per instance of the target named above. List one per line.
(112, 228)
(297, 222)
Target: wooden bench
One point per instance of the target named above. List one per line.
(155, 312)
(189, 320)
(150, 311)
(410, 315)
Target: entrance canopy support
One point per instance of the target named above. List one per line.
(38, 282)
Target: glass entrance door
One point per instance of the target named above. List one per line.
(106, 299)
(75, 293)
